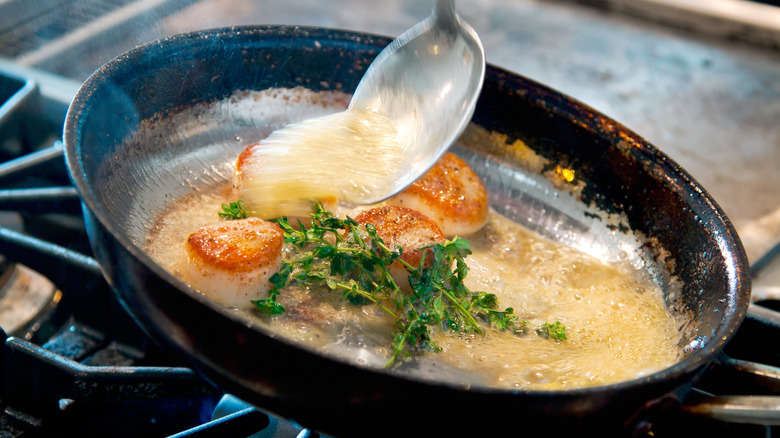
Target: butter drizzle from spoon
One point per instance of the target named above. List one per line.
(415, 99)
(345, 156)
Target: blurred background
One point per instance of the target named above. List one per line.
(699, 79)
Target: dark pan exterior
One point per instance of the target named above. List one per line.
(620, 171)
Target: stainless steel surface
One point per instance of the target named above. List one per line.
(64, 35)
(754, 22)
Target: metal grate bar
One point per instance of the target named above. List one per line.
(52, 24)
(91, 31)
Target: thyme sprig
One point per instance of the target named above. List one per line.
(234, 210)
(353, 260)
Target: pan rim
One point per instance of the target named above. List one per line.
(91, 202)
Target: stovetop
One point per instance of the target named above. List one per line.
(73, 363)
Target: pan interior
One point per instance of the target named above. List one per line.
(179, 160)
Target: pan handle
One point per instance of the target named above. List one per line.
(752, 391)
(751, 409)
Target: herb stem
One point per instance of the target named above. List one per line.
(367, 295)
(341, 254)
(463, 311)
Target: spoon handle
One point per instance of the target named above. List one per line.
(444, 13)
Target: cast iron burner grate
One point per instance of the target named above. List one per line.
(26, 32)
(81, 367)
(78, 365)
(49, 34)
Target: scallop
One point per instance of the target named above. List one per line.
(231, 261)
(407, 228)
(451, 194)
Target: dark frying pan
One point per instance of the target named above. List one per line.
(624, 190)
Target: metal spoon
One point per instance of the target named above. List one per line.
(427, 81)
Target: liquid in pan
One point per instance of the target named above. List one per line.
(617, 326)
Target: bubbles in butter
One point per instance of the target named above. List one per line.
(618, 327)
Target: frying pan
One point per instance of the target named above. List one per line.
(620, 196)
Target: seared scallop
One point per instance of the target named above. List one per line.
(451, 194)
(231, 261)
(407, 228)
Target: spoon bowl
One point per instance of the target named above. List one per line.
(413, 102)
(426, 82)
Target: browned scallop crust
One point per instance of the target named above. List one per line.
(401, 226)
(245, 158)
(241, 245)
(450, 193)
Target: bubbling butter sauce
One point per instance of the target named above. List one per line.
(617, 325)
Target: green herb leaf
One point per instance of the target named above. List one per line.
(352, 259)
(554, 330)
(270, 305)
(234, 210)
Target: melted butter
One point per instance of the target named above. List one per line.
(328, 157)
(617, 326)
(616, 323)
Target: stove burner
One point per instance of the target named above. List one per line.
(25, 296)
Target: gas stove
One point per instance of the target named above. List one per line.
(73, 363)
